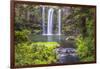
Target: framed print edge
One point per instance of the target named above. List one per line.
(12, 43)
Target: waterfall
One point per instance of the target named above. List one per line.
(48, 28)
(59, 22)
(43, 20)
(50, 22)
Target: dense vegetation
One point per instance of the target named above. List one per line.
(80, 23)
(36, 53)
(76, 21)
(85, 40)
(85, 44)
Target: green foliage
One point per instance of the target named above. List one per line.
(85, 46)
(35, 53)
(22, 36)
(23, 54)
(28, 17)
(82, 48)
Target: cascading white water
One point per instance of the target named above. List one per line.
(43, 20)
(50, 22)
(48, 29)
(59, 22)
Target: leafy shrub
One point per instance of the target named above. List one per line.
(85, 49)
(85, 46)
(22, 36)
(35, 53)
(82, 48)
(23, 54)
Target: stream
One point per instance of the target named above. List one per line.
(67, 53)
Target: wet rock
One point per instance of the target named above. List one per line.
(66, 55)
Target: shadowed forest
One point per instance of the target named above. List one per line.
(46, 34)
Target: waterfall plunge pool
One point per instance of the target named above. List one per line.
(47, 38)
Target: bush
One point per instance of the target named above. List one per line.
(22, 36)
(35, 53)
(85, 48)
(23, 54)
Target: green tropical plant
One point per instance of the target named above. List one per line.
(36, 53)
